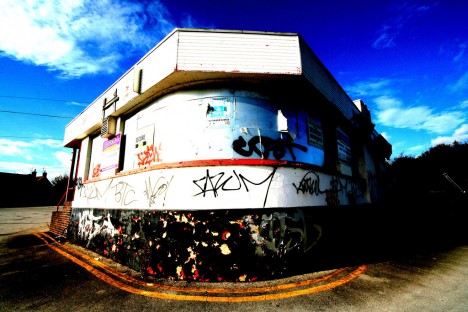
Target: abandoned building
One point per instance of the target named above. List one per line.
(207, 159)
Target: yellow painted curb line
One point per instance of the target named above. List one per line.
(170, 296)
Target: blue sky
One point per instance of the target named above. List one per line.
(407, 60)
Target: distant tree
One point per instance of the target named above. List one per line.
(59, 186)
(422, 181)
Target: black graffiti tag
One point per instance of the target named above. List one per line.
(262, 146)
(310, 183)
(160, 188)
(123, 193)
(235, 182)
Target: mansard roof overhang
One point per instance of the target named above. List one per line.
(189, 58)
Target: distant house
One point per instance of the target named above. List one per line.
(23, 190)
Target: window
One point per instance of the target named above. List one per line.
(314, 133)
(344, 152)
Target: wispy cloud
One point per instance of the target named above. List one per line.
(460, 85)
(23, 156)
(459, 56)
(464, 104)
(460, 135)
(391, 112)
(371, 87)
(386, 38)
(400, 15)
(64, 158)
(80, 37)
(11, 147)
(416, 150)
(20, 149)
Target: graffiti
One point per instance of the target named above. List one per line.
(96, 171)
(310, 184)
(281, 236)
(89, 228)
(219, 182)
(345, 186)
(122, 193)
(149, 155)
(159, 189)
(262, 146)
(91, 191)
(204, 246)
(79, 183)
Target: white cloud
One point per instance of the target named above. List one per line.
(371, 87)
(50, 143)
(391, 112)
(460, 135)
(17, 167)
(82, 36)
(386, 136)
(23, 157)
(12, 148)
(64, 158)
(416, 150)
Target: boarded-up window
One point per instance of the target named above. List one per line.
(344, 146)
(314, 133)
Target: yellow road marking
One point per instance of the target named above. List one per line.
(157, 294)
(200, 289)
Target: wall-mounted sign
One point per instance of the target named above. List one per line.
(218, 112)
(145, 151)
(344, 146)
(314, 133)
(110, 154)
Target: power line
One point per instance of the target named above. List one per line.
(40, 99)
(33, 114)
(28, 137)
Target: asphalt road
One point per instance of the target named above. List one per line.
(418, 264)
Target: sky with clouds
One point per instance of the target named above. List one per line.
(407, 60)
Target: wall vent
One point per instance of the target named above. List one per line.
(137, 80)
(108, 127)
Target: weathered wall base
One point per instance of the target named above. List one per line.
(222, 245)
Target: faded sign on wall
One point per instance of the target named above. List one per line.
(218, 112)
(110, 155)
(344, 146)
(314, 133)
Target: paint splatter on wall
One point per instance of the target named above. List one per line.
(209, 246)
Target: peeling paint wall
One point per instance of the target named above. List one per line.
(216, 124)
(197, 245)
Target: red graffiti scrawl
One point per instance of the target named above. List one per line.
(148, 156)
